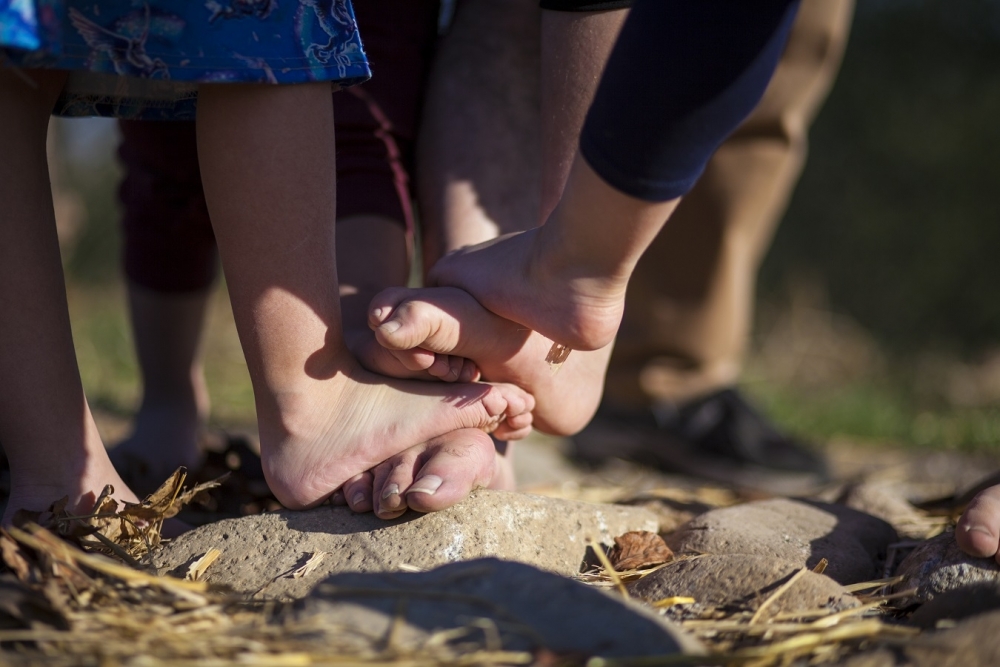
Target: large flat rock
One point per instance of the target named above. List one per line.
(799, 532)
(486, 604)
(261, 553)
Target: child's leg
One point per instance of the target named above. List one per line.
(46, 427)
(167, 330)
(170, 264)
(978, 531)
(269, 181)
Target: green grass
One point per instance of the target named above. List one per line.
(878, 414)
(109, 369)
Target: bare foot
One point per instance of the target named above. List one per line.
(328, 431)
(164, 437)
(449, 321)
(513, 277)
(417, 365)
(434, 475)
(81, 481)
(978, 531)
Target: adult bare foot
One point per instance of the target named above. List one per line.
(434, 475)
(328, 432)
(978, 531)
(450, 321)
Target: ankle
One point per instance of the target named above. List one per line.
(559, 254)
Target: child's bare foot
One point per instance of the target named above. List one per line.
(449, 321)
(978, 531)
(513, 277)
(329, 431)
(164, 437)
(417, 365)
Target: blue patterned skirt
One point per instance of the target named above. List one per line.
(145, 58)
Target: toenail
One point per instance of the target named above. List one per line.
(390, 327)
(392, 489)
(358, 498)
(976, 528)
(428, 485)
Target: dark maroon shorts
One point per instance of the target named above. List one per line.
(168, 240)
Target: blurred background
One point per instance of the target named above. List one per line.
(877, 321)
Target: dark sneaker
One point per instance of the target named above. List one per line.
(719, 437)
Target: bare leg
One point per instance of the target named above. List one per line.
(269, 183)
(46, 426)
(481, 105)
(167, 329)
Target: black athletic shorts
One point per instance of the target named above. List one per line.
(584, 5)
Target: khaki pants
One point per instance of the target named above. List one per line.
(690, 302)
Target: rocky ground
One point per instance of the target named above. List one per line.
(863, 572)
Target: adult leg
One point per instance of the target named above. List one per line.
(689, 304)
(479, 170)
(269, 182)
(46, 427)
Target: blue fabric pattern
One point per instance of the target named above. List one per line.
(144, 58)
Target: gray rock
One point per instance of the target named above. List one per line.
(887, 502)
(975, 641)
(880, 657)
(797, 531)
(262, 552)
(958, 604)
(743, 582)
(521, 607)
(938, 565)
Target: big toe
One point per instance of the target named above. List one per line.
(978, 531)
(459, 462)
(403, 322)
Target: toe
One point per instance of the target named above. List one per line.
(383, 305)
(416, 359)
(978, 531)
(391, 478)
(411, 324)
(459, 462)
(446, 367)
(516, 427)
(470, 372)
(358, 492)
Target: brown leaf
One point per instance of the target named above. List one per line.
(637, 549)
(14, 558)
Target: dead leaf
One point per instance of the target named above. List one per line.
(637, 549)
(14, 558)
